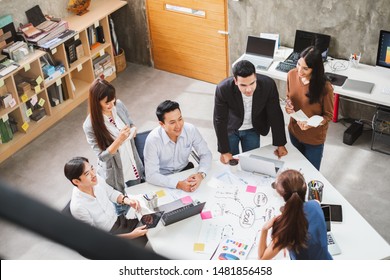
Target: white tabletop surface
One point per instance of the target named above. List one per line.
(356, 238)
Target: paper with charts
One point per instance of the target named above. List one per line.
(237, 208)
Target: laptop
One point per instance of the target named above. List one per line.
(260, 165)
(260, 51)
(304, 39)
(360, 86)
(333, 247)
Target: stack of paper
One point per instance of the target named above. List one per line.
(313, 121)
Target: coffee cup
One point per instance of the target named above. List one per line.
(315, 189)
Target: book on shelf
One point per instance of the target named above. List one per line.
(5, 131)
(53, 43)
(49, 35)
(29, 30)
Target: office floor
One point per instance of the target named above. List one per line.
(360, 175)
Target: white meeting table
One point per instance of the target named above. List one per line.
(357, 239)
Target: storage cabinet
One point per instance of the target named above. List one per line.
(59, 93)
(381, 131)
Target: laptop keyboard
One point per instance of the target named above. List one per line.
(285, 66)
(330, 240)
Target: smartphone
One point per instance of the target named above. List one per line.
(336, 212)
(150, 220)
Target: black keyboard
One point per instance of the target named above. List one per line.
(285, 66)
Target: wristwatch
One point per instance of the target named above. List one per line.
(203, 174)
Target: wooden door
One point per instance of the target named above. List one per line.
(189, 38)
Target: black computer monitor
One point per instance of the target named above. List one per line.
(304, 39)
(383, 56)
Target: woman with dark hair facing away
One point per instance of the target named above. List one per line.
(300, 228)
(109, 130)
(308, 90)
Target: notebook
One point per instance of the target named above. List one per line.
(333, 247)
(259, 164)
(360, 86)
(260, 51)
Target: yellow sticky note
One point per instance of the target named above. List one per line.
(25, 126)
(27, 67)
(79, 67)
(29, 112)
(37, 89)
(5, 118)
(198, 247)
(1, 82)
(160, 193)
(24, 98)
(41, 102)
(53, 51)
(58, 82)
(39, 80)
(101, 52)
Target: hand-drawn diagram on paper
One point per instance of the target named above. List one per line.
(238, 207)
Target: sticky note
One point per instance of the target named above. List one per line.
(27, 67)
(1, 82)
(251, 189)
(41, 102)
(58, 82)
(76, 37)
(34, 100)
(206, 215)
(79, 67)
(198, 247)
(101, 52)
(96, 24)
(12, 103)
(5, 118)
(186, 200)
(160, 193)
(39, 80)
(24, 98)
(29, 112)
(53, 51)
(25, 126)
(37, 89)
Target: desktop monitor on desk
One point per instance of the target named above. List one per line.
(383, 56)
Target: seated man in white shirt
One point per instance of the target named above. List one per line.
(168, 147)
(93, 202)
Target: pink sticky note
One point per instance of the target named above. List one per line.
(251, 189)
(186, 200)
(206, 215)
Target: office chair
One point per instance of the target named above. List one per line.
(140, 143)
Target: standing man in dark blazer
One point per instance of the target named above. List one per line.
(247, 106)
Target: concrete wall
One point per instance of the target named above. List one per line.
(353, 24)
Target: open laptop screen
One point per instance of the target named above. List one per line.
(260, 46)
(304, 39)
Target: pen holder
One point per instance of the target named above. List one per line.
(151, 200)
(315, 189)
(355, 59)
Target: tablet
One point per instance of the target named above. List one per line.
(336, 212)
(150, 220)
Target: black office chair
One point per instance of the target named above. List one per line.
(140, 143)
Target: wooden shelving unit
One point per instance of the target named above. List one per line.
(74, 82)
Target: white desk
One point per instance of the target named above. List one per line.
(356, 238)
(380, 76)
